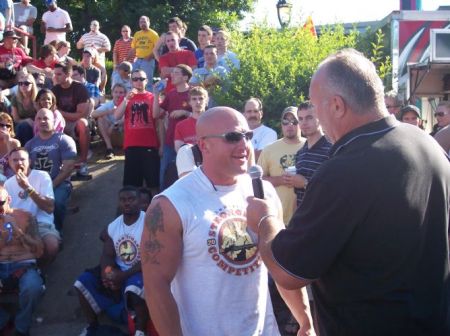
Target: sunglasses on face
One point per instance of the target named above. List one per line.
(25, 83)
(440, 114)
(2, 203)
(232, 137)
(286, 122)
(135, 79)
(8, 126)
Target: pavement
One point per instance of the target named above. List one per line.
(58, 312)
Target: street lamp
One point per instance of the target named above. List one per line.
(284, 12)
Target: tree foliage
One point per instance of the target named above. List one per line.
(277, 66)
(112, 14)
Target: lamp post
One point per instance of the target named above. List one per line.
(284, 9)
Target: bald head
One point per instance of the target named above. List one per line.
(45, 120)
(215, 120)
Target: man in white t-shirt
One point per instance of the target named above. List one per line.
(95, 39)
(262, 135)
(55, 23)
(32, 190)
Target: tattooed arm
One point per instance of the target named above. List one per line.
(161, 251)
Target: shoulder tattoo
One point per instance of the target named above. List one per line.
(155, 224)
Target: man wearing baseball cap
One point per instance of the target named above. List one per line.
(410, 114)
(12, 58)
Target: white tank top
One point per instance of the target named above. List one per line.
(221, 284)
(126, 239)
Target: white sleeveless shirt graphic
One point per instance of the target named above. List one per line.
(221, 284)
(126, 239)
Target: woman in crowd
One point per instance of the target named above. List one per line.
(7, 143)
(46, 99)
(63, 50)
(22, 107)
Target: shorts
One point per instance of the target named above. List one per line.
(48, 229)
(141, 164)
(70, 129)
(101, 299)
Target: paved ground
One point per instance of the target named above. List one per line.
(97, 201)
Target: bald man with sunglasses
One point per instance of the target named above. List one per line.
(202, 271)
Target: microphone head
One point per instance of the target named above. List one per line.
(255, 172)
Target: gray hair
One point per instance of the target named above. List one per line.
(353, 77)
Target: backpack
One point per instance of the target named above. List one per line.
(171, 173)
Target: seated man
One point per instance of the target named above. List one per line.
(55, 153)
(122, 75)
(116, 285)
(106, 120)
(20, 246)
(72, 100)
(79, 75)
(12, 58)
(31, 190)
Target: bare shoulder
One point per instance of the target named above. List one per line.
(162, 230)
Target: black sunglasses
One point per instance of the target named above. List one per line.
(8, 126)
(135, 79)
(286, 122)
(2, 203)
(232, 137)
(440, 114)
(26, 83)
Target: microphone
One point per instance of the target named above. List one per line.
(256, 173)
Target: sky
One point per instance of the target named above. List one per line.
(333, 11)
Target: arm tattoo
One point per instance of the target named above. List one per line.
(155, 224)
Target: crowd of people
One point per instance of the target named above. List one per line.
(326, 174)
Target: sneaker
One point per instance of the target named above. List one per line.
(83, 169)
(109, 154)
(90, 330)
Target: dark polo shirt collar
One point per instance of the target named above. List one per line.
(374, 128)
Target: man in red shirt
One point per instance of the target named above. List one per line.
(12, 59)
(177, 107)
(141, 142)
(185, 130)
(175, 56)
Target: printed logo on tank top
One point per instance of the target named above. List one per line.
(230, 244)
(127, 249)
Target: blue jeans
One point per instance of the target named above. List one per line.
(62, 193)
(169, 155)
(148, 67)
(30, 290)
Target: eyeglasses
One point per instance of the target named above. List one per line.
(135, 79)
(286, 122)
(232, 137)
(440, 114)
(8, 126)
(26, 83)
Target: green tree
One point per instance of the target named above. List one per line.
(112, 14)
(277, 66)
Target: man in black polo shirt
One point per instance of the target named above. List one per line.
(371, 233)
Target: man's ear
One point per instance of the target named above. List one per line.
(338, 106)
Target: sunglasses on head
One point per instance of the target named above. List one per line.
(25, 83)
(135, 79)
(8, 126)
(232, 137)
(286, 122)
(440, 114)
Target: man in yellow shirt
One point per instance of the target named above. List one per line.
(276, 158)
(142, 47)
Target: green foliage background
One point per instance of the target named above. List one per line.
(277, 66)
